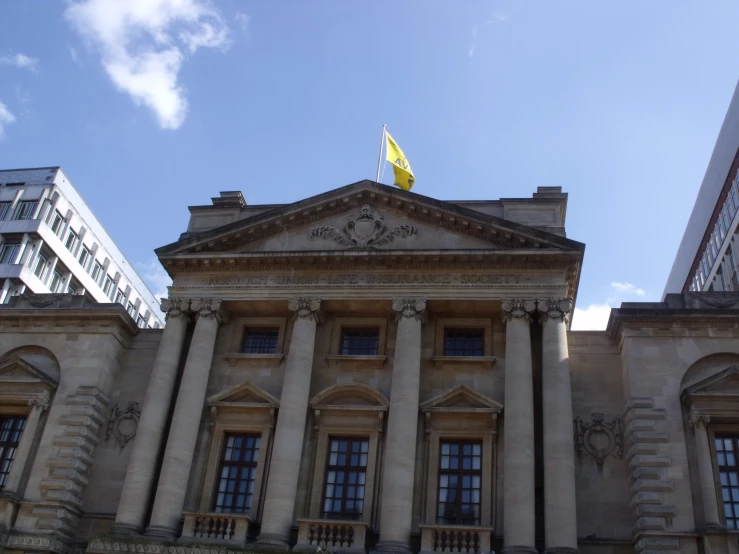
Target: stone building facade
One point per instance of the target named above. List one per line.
(370, 369)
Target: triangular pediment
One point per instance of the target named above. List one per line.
(723, 383)
(461, 398)
(243, 395)
(367, 216)
(18, 370)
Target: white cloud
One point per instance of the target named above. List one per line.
(141, 43)
(155, 277)
(74, 55)
(243, 20)
(5, 118)
(595, 316)
(20, 60)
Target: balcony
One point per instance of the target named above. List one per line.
(346, 536)
(217, 528)
(455, 538)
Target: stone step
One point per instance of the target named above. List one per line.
(648, 436)
(75, 452)
(645, 473)
(653, 414)
(78, 431)
(646, 497)
(649, 461)
(68, 463)
(641, 402)
(70, 441)
(650, 524)
(653, 485)
(69, 473)
(641, 449)
(89, 411)
(641, 425)
(50, 484)
(657, 543)
(80, 421)
(62, 496)
(655, 510)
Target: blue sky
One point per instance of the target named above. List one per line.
(154, 105)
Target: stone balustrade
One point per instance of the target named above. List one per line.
(455, 538)
(216, 528)
(345, 536)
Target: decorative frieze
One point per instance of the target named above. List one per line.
(306, 308)
(410, 307)
(599, 439)
(364, 229)
(122, 424)
(517, 308)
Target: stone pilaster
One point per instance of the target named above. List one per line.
(12, 482)
(180, 450)
(282, 484)
(518, 425)
(560, 517)
(400, 443)
(705, 470)
(149, 434)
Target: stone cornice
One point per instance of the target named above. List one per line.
(93, 317)
(668, 320)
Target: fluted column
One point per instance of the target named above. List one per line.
(149, 433)
(560, 519)
(282, 485)
(400, 442)
(705, 472)
(183, 433)
(20, 461)
(518, 460)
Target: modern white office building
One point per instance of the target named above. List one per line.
(708, 256)
(50, 242)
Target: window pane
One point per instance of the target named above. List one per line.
(459, 493)
(11, 428)
(238, 470)
(260, 341)
(359, 342)
(463, 342)
(344, 472)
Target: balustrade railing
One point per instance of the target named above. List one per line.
(216, 528)
(455, 538)
(337, 536)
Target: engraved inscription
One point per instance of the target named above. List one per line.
(364, 279)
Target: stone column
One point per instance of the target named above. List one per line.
(518, 426)
(282, 485)
(13, 480)
(400, 442)
(140, 475)
(560, 519)
(188, 411)
(705, 471)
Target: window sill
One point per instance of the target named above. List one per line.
(264, 359)
(359, 361)
(451, 361)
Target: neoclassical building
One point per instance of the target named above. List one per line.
(370, 370)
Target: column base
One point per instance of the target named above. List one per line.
(124, 530)
(272, 541)
(160, 532)
(560, 550)
(516, 549)
(392, 546)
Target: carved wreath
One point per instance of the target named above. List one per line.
(365, 229)
(122, 424)
(599, 439)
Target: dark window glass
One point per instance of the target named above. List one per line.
(11, 428)
(57, 223)
(108, 285)
(463, 342)
(71, 240)
(8, 252)
(25, 210)
(237, 473)
(346, 472)
(359, 342)
(41, 264)
(4, 209)
(726, 453)
(260, 341)
(460, 473)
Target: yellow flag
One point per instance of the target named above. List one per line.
(404, 177)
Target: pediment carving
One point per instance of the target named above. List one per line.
(364, 229)
(245, 394)
(461, 398)
(350, 395)
(18, 370)
(723, 383)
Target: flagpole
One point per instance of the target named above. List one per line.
(379, 158)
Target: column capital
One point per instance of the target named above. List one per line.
(557, 309)
(410, 307)
(699, 421)
(309, 308)
(209, 308)
(517, 308)
(40, 403)
(175, 307)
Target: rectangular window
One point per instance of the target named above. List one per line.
(464, 342)
(71, 288)
(131, 309)
(120, 297)
(460, 475)
(237, 473)
(57, 224)
(141, 322)
(8, 252)
(4, 209)
(108, 286)
(56, 281)
(72, 239)
(97, 270)
(727, 219)
(25, 210)
(260, 341)
(11, 428)
(735, 198)
(726, 452)
(359, 342)
(41, 264)
(84, 255)
(346, 473)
